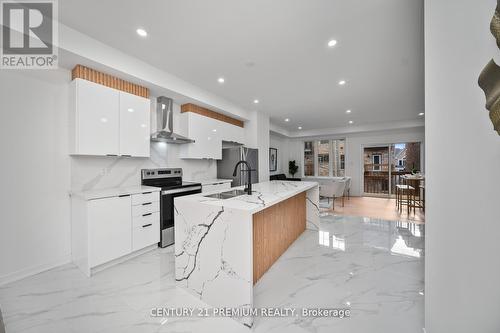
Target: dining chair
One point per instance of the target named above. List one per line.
(347, 191)
(333, 189)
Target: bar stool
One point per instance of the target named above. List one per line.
(422, 201)
(404, 195)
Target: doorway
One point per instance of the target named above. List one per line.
(385, 164)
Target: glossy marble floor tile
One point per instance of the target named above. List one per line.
(373, 267)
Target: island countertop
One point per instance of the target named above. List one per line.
(215, 243)
(263, 195)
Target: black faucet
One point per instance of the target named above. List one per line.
(249, 171)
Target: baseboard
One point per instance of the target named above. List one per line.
(30, 271)
(129, 256)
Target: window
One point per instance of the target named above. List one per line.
(324, 158)
(309, 158)
(376, 162)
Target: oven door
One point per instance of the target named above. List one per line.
(167, 211)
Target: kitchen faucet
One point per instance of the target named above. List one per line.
(249, 178)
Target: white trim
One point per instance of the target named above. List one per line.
(120, 260)
(33, 270)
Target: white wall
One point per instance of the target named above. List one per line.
(257, 136)
(354, 149)
(281, 143)
(35, 172)
(462, 273)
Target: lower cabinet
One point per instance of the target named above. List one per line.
(145, 230)
(215, 187)
(109, 229)
(103, 230)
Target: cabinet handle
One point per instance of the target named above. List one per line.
(147, 225)
(147, 192)
(127, 155)
(147, 203)
(147, 214)
(111, 155)
(123, 195)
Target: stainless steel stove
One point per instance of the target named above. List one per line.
(172, 186)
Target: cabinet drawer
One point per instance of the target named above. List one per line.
(139, 199)
(146, 208)
(146, 218)
(147, 233)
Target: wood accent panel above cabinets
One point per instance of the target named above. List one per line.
(89, 74)
(189, 107)
(274, 230)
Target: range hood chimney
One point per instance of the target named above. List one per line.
(164, 123)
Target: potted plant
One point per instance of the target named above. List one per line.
(292, 168)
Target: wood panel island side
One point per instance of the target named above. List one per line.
(224, 246)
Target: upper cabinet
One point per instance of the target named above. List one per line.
(208, 129)
(106, 121)
(134, 125)
(206, 135)
(95, 119)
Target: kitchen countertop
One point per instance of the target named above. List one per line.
(214, 240)
(264, 195)
(211, 181)
(113, 192)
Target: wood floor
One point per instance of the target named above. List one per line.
(381, 208)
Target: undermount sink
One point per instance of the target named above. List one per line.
(226, 195)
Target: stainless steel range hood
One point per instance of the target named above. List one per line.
(164, 123)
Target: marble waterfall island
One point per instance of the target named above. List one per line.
(223, 246)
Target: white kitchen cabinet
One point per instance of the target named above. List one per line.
(232, 133)
(215, 187)
(113, 227)
(134, 125)
(95, 122)
(206, 133)
(145, 220)
(107, 122)
(110, 232)
(146, 230)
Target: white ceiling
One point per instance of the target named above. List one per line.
(275, 51)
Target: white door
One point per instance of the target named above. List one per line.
(98, 119)
(110, 229)
(134, 125)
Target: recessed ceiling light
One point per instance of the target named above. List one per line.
(348, 111)
(104, 120)
(287, 119)
(130, 110)
(332, 43)
(342, 82)
(221, 80)
(421, 114)
(256, 101)
(143, 125)
(351, 122)
(214, 130)
(141, 32)
(300, 127)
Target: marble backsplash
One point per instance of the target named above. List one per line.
(92, 172)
